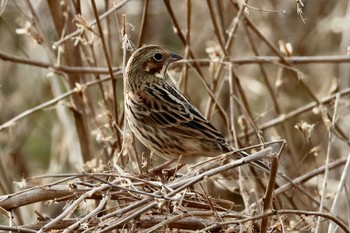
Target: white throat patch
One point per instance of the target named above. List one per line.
(162, 73)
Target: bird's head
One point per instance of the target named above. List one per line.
(149, 63)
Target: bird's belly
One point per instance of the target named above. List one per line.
(145, 134)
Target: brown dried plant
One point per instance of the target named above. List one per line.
(271, 76)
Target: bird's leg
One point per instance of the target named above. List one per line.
(165, 172)
(158, 170)
(170, 172)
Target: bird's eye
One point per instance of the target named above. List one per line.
(158, 57)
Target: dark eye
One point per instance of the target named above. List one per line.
(158, 57)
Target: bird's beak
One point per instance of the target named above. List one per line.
(173, 57)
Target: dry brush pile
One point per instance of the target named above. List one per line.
(272, 76)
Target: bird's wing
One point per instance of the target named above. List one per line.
(164, 107)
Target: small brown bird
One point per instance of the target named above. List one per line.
(160, 116)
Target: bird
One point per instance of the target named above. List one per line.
(161, 117)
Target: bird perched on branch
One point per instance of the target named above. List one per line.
(160, 116)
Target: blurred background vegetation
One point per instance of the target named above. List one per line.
(273, 63)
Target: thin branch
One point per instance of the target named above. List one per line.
(53, 101)
(330, 127)
(109, 65)
(287, 212)
(79, 31)
(143, 23)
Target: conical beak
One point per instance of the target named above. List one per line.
(173, 57)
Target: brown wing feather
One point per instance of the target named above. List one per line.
(163, 107)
